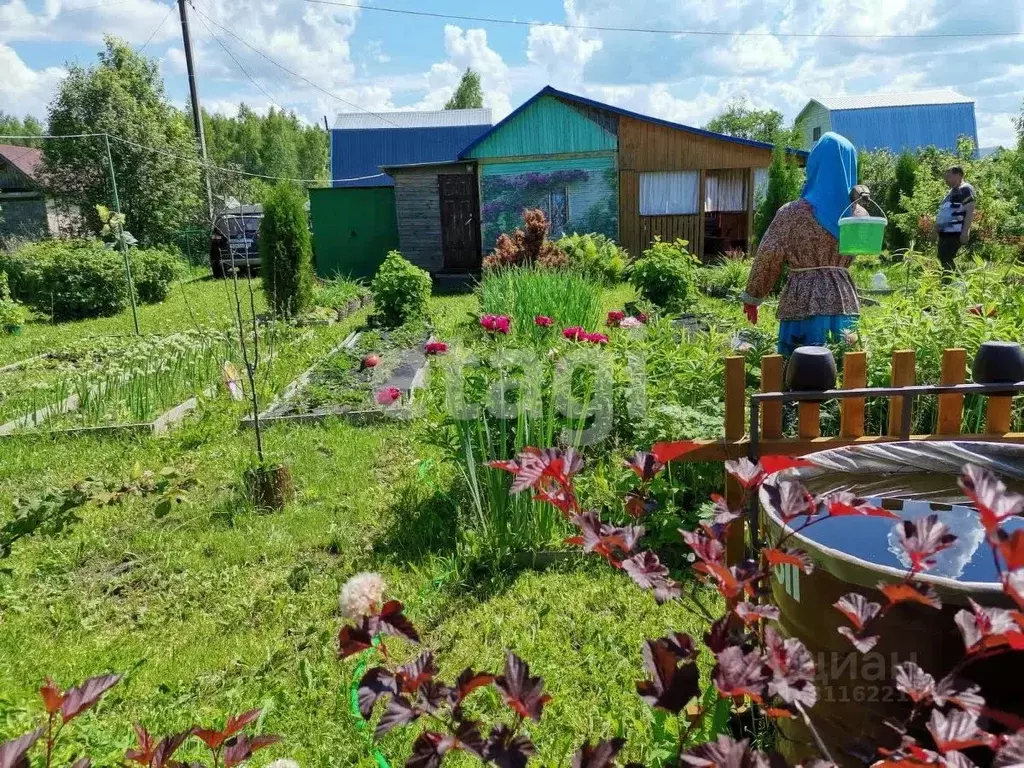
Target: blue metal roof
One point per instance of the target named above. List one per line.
(359, 154)
(548, 90)
(907, 127)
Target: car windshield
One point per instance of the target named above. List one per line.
(238, 225)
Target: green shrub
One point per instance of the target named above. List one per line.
(67, 279)
(286, 261)
(401, 290)
(726, 278)
(153, 272)
(666, 274)
(595, 256)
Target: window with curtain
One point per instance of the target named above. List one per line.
(669, 193)
(760, 183)
(725, 191)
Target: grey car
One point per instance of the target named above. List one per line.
(234, 241)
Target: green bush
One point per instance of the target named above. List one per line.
(726, 278)
(153, 272)
(286, 261)
(67, 279)
(666, 274)
(401, 290)
(595, 256)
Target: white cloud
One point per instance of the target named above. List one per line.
(468, 49)
(58, 21)
(23, 90)
(767, 54)
(562, 53)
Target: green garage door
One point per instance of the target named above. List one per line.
(353, 229)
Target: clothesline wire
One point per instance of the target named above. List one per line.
(194, 161)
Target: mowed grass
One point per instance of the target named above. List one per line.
(216, 608)
(191, 304)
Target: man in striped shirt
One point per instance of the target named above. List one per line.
(953, 221)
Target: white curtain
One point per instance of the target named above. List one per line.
(725, 191)
(760, 183)
(669, 193)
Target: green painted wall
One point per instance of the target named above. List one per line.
(353, 229)
(546, 127)
(588, 187)
(815, 117)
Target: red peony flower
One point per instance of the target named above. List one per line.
(615, 317)
(388, 395)
(370, 361)
(435, 348)
(543, 321)
(495, 323)
(597, 338)
(641, 317)
(575, 333)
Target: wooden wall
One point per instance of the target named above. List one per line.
(644, 147)
(419, 213)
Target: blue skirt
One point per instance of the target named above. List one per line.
(814, 331)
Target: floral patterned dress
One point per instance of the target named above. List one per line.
(819, 300)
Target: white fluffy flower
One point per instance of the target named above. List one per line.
(283, 762)
(361, 595)
(630, 322)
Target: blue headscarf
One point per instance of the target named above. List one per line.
(831, 174)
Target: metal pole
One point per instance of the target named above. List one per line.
(124, 246)
(193, 90)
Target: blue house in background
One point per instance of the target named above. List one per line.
(362, 142)
(894, 121)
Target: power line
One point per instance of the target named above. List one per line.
(158, 28)
(653, 31)
(231, 55)
(193, 160)
(93, 7)
(293, 73)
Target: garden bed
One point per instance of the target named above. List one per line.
(341, 385)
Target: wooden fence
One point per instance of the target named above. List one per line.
(736, 442)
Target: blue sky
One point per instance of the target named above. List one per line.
(360, 58)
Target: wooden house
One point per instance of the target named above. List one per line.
(593, 167)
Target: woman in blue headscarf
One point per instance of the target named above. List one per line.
(819, 301)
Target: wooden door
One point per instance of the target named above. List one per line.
(460, 225)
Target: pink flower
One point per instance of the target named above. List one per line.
(495, 323)
(388, 395)
(630, 322)
(597, 338)
(543, 321)
(435, 348)
(575, 333)
(641, 317)
(615, 317)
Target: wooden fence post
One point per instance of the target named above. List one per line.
(951, 407)
(735, 411)
(809, 420)
(903, 375)
(855, 376)
(998, 414)
(771, 381)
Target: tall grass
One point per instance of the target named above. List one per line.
(522, 293)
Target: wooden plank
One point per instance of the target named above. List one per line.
(854, 375)
(735, 402)
(903, 375)
(951, 407)
(771, 381)
(700, 213)
(751, 206)
(809, 421)
(998, 414)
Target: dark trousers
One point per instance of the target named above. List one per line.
(949, 246)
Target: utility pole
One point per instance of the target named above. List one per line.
(197, 114)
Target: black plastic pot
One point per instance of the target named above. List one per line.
(998, 362)
(811, 369)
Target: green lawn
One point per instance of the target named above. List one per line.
(216, 608)
(191, 304)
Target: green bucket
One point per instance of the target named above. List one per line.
(862, 235)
